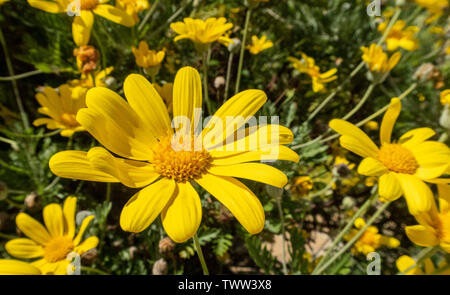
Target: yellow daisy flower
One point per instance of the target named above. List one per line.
(146, 58)
(12, 267)
(434, 226)
(377, 60)
(404, 262)
(133, 7)
(259, 44)
(307, 65)
(152, 157)
(370, 240)
(202, 32)
(399, 36)
(54, 241)
(82, 24)
(445, 97)
(61, 105)
(403, 166)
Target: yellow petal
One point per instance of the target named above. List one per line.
(83, 227)
(371, 167)
(148, 105)
(142, 209)
(444, 197)
(69, 208)
(389, 187)
(32, 228)
(445, 246)
(86, 245)
(354, 139)
(54, 220)
(47, 6)
(115, 14)
(433, 158)
(24, 248)
(280, 152)
(81, 27)
(429, 266)
(187, 96)
(130, 173)
(390, 242)
(253, 171)
(16, 267)
(389, 119)
(183, 214)
(404, 262)
(413, 137)
(234, 195)
(417, 194)
(74, 164)
(422, 235)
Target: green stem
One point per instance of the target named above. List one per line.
(283, 240)
(21, 76)
(353, 240)
(108, 191)
(228, 77)
(13, 134)
(13, 168)
(205, 81)
(241, 55)
(148, 15)
(94, 270)
(198, 248)
(102, 50)
(11, 142)
(361, 102)
(420, 258)
(7, 237)
(361, 211)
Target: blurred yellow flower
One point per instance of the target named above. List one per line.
(84, 15)
(370, 240)
(166, 93)
(146, 58)
(307, 65)
(404, 262)
(435, 8)
(434, 226)
(403, 166)
(445, 97)
(133, 7)
(152, 157)
(54, 242)
(371, 125)
(81, 86)
(399, 36)
(12, 267)
(370, 181)
(61, 106)
(377, 60)
(3, 1)
(301, 186)
(259, 44)
(202, 32)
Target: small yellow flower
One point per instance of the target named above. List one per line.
(399, 36)
(377, 60)
(12, 267)
(445, 97)
(307, 65)
(370, 181)
(61, 106)
(402, 166)
(53, 242)
(259, 44)
(150, 155)
(404, 262)
(302, 186)
(147, 58)
(81, 86)
(370, 240)
(133, 7)
(434, 226)
(202, 32)
(83, 23)
(371, 125)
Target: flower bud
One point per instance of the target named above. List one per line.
(160, 267)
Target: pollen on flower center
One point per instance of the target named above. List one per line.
(88, 4)
(398, 159)
(57, 249)
(182, 163)
(69, 120)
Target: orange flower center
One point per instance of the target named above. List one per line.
(58, 249)
(69, 120)
(88, 4)
(180, 161)
(398, 159)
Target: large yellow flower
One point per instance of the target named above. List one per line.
(377, 60)
(370, 240)
(12, 267)
(259, 44)
(202, 32)
(399, 36)
(82, 24)
(434, 225)
(53, 242)
(402, 166)
(308, 66)
(153, 158)
(61, 106)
